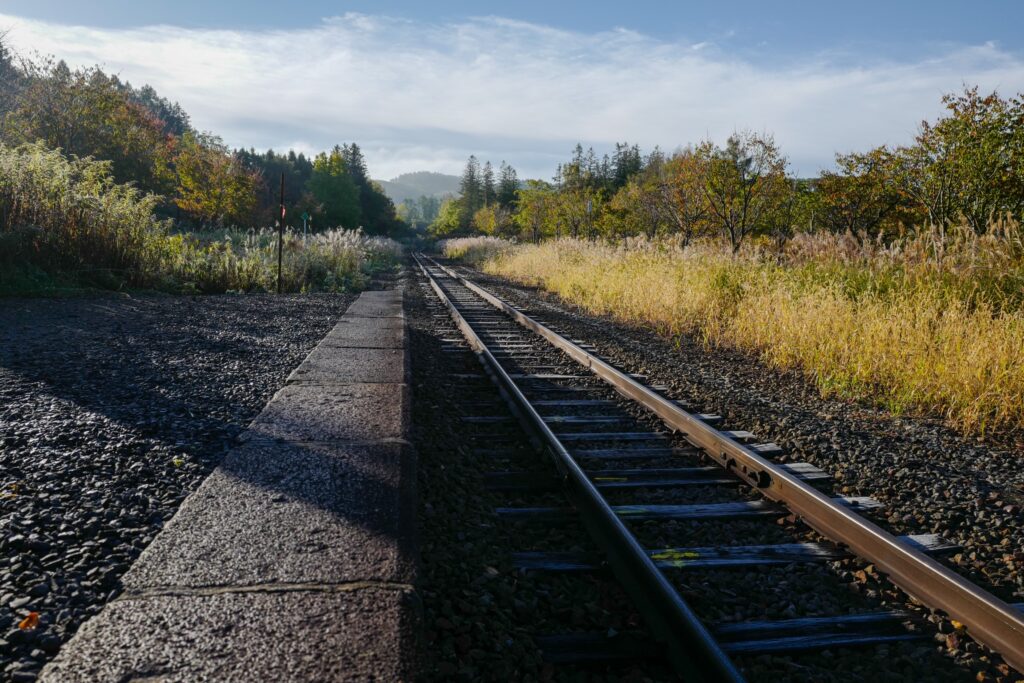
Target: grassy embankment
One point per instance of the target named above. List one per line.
(65, 226)
(933, 322)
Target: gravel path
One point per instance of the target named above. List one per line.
(930, 478)
(112, 410)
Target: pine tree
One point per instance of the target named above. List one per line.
(508, 186)
(626, 162)
(356, 164)
(489, 191)
(471, 189)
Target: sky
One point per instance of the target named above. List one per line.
(421, 86)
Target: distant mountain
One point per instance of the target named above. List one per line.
(413, 185)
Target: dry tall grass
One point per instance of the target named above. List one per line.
(933, 322)
(473, 250)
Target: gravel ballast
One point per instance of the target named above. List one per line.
(930, 478)
(112, 410)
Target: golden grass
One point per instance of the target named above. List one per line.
(904, 326)
(473, 250)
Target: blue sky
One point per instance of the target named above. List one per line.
(422, 85)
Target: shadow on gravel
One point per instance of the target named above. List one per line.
(149, 363)
(112, 410)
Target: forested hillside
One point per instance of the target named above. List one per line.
(150, 141)
(103, 184)
(420, 184)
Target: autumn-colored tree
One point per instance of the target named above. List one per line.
(87, 113)
(681, 194)
(535, 215)
(212, 184)
(495, 220)
(637, 207)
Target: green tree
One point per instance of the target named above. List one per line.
(471, 191)
(969, 163)
(742, 183)
(508, 186)
(535, 215)
(449, 220)
(625, 163)
(335, 191)
(860, 196)
(10, 80)
(578, 210)
(490, 191)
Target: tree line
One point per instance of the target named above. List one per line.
(150, 141)
(968, 166)
(486, 201)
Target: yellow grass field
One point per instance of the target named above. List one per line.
(932, 323)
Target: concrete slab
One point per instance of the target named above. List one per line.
(343, 412)
(295, 559)
(384, 304)
(336, 365)
(288, 513)
(277, 636)
(367, 333)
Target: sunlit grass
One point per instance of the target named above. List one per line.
(473, 250)
(932, 322)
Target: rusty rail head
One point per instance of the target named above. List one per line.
(989, 620)
(690, 648)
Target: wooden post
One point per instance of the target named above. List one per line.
(280, 236)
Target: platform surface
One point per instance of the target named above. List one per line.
(296, 558)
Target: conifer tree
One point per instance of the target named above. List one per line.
(471, 189)
(508, 186)
(489, 191)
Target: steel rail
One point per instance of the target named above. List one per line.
(989, 620)
(690, 648)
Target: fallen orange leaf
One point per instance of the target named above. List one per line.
(29, 622)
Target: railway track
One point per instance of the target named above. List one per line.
(638, 466)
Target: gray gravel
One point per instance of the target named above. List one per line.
(112, 410)
(480, 614)
(930, 478)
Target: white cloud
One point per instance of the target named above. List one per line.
(425, 96)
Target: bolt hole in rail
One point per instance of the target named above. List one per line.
(690, 647)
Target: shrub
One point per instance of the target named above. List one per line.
(65, 217)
